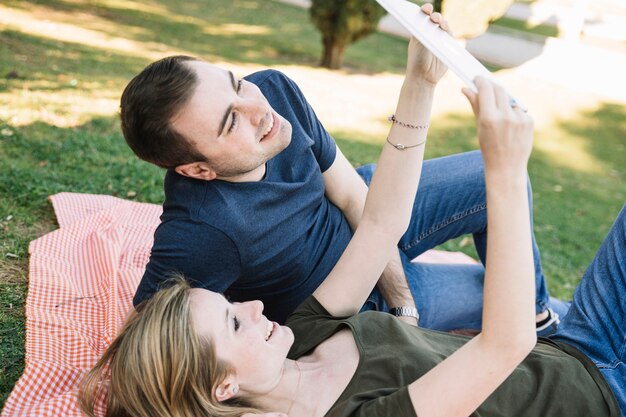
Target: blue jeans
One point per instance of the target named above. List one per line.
(596, 322)
(451, 202)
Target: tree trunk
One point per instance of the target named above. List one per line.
(332, 57)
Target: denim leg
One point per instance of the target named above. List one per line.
(596, 322)
(448, 296)
(451, 202)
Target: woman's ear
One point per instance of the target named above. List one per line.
(197, 170)
(226, 390)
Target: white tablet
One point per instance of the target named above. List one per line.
(438, 41)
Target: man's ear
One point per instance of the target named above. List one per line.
(227, 389)
(197, 170)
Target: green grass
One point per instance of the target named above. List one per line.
(573, 209)
(11, 336)
(523, 26)
(59, 129)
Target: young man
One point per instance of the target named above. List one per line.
(260, 203)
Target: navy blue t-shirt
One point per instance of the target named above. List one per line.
(276, 239)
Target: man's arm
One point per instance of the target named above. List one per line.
(346, 190)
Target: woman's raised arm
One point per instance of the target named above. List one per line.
(459, 384)
(392, 191)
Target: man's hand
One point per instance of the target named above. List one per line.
(394, 287)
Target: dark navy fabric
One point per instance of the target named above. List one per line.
(274, 240)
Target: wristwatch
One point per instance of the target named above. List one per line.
(405, 311)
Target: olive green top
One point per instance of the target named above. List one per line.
(555, 380)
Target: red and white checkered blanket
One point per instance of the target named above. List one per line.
(82, 278)
(81, 281)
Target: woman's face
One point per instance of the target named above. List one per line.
(244, 338)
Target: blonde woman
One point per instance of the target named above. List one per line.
(190, 352)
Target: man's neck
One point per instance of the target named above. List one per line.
(255, 175)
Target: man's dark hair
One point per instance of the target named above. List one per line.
(147, 106)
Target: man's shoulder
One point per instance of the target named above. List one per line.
(261, 77)
(276, 87)
(192, 203)
(195, 202)
(182, 192)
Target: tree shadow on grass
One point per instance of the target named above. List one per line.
(578, 205)
(54, 64)
(92, 158)
(243, 31)
(604, 130)
(41, 160)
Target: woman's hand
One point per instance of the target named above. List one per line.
(505, 132)
(422, 65)
(508, 327)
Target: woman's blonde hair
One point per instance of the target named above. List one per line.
(158, 366)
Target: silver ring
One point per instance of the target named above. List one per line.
(513, 103)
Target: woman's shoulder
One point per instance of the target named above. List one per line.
(311, 324)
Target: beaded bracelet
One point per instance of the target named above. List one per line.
(393, 119)
(400, 146)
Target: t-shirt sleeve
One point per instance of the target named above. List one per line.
(324, 147)
(207, 257)
(310, 323)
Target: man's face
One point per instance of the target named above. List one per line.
(229, 121)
